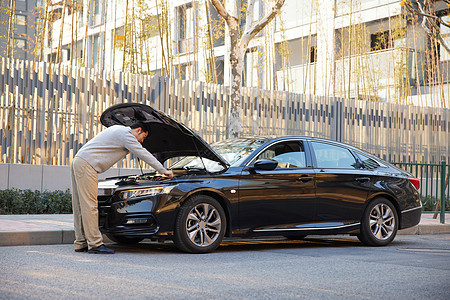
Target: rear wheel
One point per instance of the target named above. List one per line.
(379, 223)
(200, 225)
(123, 239)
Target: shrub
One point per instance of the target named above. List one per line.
(429, 203)
(14, 201)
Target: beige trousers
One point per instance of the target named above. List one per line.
(84, 204)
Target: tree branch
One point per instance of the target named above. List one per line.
(252, 31)
(221, 9)
(249, 18)
(422, 13)
(433, 20)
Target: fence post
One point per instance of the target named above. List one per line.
(443, 165)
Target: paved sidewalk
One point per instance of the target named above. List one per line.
(58, 229)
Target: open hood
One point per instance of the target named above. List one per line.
(168, 137)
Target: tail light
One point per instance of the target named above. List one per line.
(415, 182)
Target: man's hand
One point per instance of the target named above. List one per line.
(169, 174)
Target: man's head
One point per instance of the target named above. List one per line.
(140, 131)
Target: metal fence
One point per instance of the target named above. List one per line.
(434, 185)
(48, 111)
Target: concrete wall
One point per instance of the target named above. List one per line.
(45, 177)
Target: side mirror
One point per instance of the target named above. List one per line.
(266, 164)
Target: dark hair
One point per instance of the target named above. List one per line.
(145, 127)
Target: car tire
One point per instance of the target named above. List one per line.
(200, 225)
(379, 223)
(123, 239)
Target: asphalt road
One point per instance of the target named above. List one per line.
(412, 267)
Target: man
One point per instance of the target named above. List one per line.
(97, 156)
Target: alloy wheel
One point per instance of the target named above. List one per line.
(382, 221)
(203, 225)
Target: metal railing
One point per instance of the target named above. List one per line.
(434, 186)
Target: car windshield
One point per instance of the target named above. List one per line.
(234, 151)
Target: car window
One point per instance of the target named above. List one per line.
(288, 155)
(234, 151)
(368, 162)
(332, 156)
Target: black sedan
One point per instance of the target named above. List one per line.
(256, 186)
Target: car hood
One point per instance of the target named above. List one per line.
(168, 137)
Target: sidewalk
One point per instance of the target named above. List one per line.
(58, 229)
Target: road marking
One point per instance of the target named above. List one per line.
(432, 250)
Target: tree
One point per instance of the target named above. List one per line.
(239, 45)
(431, 21)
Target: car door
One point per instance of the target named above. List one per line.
(342, 184)
(270, 200)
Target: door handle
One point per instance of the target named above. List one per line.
(304, 178)
(362, 179)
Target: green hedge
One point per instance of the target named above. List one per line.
(13, 201)
(429, 203)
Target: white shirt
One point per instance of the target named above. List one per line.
(111, 145)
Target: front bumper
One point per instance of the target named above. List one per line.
(127, 218)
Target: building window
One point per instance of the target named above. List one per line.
(21, 20)
(21, 43)
(184, 71)
(252, 73)
(313, 54)
(220, 69)
(98, 8)
(217, 27)
(68, 53)
(296, 52)
(56, 14)
(80, 11)
(52, 57)
(445, 32)
(119, 39)
(95, 52)
(185, 28)
(151, 28)
(380, 41)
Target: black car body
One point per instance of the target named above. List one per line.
(257, 186)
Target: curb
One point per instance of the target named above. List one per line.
(428, 229)
(45, 237)
(52, 237)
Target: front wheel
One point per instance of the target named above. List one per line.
(200, 225)
(379, 223)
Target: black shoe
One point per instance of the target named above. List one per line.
(101, 250)
(84, 249)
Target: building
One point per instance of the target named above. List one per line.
(19, 21)
(360, 49)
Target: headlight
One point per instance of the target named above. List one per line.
(146, 192)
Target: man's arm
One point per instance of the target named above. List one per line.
(136, 148)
